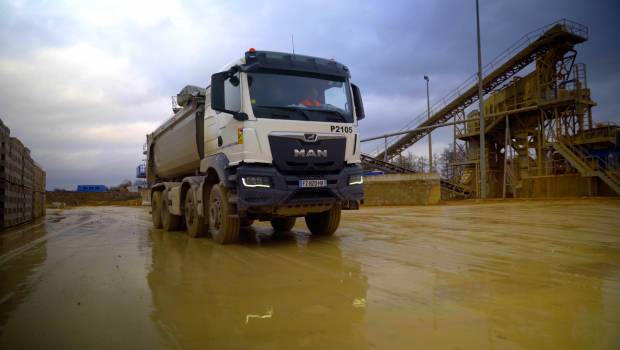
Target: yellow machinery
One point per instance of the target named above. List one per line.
(539, 135)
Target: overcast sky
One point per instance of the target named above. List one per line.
(83, 82)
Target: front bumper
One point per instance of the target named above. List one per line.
(286, 198)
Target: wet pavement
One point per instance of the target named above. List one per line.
(515, 275)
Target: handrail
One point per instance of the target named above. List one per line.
(595, 162)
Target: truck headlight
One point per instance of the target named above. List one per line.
(356, 180)
(256, 181)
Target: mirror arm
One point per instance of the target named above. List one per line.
(240, 116)
(232, 71)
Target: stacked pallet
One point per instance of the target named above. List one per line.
(22, 182)
(38, 201)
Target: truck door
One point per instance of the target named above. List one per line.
(211, 129)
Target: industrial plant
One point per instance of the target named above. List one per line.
(541, 137)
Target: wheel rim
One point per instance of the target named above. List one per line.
(215, 213)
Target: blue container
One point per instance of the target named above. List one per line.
(373, 173)
(91, 188)
(141, 171)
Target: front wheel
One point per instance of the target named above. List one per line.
(223, 223)
(325, 223)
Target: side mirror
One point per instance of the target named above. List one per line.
(357, 101)
(226, 94)
(218, 98)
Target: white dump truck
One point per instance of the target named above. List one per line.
(274, 137)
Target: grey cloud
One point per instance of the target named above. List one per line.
(389, 46)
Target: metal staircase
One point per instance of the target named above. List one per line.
(588, 165)
(454, 188)
(396, 169)
(384, 166)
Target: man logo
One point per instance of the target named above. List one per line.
(310, 137)
(302, 153)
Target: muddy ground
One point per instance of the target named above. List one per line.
(516, 275)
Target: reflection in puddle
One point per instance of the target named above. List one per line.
(205, 291)
(543, 277)
(17, 270)
(267, 315)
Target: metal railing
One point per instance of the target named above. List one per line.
(593, 162)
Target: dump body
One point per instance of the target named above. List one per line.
(174, 147)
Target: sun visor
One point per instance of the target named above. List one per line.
(279, 61)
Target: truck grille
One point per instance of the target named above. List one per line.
(320, 157)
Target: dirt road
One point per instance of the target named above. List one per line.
(518, 275)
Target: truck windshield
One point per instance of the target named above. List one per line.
(294, 97)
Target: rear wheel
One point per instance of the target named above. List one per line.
(156, 209)
(283, 224)
(223, 223)
(194, 223)
(169, 222)
(325, 223)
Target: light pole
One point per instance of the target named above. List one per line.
(481, 109)
(430, 140)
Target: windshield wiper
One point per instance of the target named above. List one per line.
(280, 116)
(286, 108)
(338, 114)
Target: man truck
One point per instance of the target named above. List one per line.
(272, 138)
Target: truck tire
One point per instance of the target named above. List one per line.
(223, 223)
(246, 222)
(283, 224)
(194, 224)
(325, 223)
(156, 209)
(169, 222)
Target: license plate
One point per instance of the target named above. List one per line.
(312, 183)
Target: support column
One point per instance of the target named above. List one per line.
(506, 145)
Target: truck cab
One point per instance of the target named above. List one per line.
(272, 138)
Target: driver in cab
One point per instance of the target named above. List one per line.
(311, 98)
